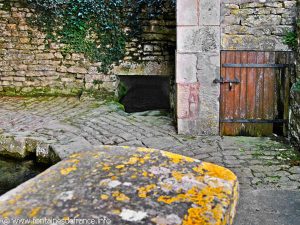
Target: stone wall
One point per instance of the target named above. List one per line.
(33, 65)
(295, 99)
(256, 24)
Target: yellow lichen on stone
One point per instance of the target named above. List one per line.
(106, 168)
(143, 149)
(143, 191)
(116, 211)
(120, 166)
(66, 171)
(5, 214)
(120, 196)
(218, 171)
(125, 147)
(147, 157)
(76, 155)
(75, 161)
(177, 158)
(113, 177)
(34, 212)
(203, 199)
(15, 199)
(234, 202)
(18, 212)
(133, 160)
(177, 175)
(195, 216)
(145, 174)
(104, 197)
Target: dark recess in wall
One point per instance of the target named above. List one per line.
(145, 93)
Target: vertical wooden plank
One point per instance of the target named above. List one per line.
(251, 90)
(261, 129)
(237, 90)
(269, 88)
(243, 86)
(222, 93)
(230, 94)
(243, 93)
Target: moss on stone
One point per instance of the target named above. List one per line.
(39, 91)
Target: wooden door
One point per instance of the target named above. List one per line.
(253, 92)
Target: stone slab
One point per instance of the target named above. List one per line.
(126, 185)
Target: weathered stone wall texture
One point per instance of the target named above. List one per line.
(256, 24)
(29, 62)
(295, 98)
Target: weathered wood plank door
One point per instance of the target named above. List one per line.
(253, 92)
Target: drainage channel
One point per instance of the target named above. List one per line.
(14, 172)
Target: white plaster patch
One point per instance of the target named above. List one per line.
(190, 182)
(159, 170)
(114, 183)
(174, 219)
(133, 216)
(65, 196)
(217, 182)
(171, 219)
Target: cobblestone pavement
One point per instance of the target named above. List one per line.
(69, 124)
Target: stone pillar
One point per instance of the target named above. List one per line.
(197, 65)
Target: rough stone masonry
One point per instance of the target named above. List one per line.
(295, 97)
(30, 63)
(204, 28)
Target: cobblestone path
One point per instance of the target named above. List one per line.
(68, 124)
(268, 170)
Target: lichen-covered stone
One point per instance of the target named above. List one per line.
(128, 185)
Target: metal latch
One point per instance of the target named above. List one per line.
(223, 81)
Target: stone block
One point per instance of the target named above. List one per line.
(188, 101)
(274, 4)
(186, 68)
(209, 63)
(76, 69)
(209, 12)
(290, 4)
(45, 56)
(41, 68)
(209, 69)
(251, 42)
(261, 20)
(148, 48)
(187, 12)
(251, 5)
(288, 21)
(198, 39)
